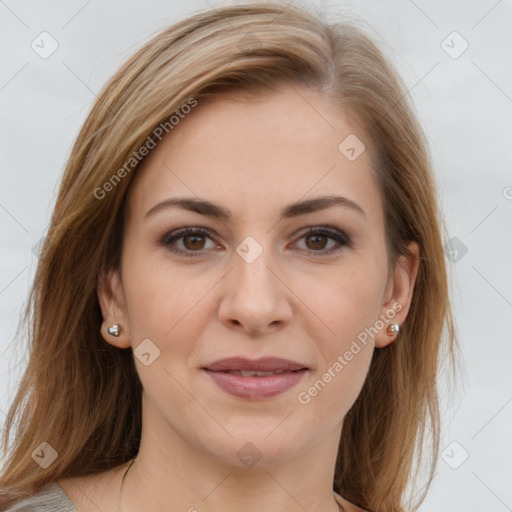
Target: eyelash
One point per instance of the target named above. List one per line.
(335, 234)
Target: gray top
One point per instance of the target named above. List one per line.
(51, 498)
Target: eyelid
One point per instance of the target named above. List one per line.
(325, 228)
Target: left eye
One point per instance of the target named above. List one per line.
(320, 236)
(192, 240)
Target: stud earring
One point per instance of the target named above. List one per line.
(393, 329)
(114, 330)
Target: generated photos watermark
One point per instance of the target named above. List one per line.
(304, 397)
(150, 143)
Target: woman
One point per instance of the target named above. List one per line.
(242, 294)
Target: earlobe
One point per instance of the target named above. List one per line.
(114, 327)
(398, 300)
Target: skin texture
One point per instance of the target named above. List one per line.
(253, 157)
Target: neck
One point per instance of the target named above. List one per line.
(195, 481)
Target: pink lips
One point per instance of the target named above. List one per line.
(288, 375)
(255, 387)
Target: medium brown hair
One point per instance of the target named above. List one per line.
(82, 395)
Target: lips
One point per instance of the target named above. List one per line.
(255, 379)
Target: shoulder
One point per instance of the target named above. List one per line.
(51, 498)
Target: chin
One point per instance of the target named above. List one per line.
(260, 447)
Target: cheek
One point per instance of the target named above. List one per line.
(348, 305)
(347, 300)
(163, 304)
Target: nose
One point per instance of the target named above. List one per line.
(255, 298)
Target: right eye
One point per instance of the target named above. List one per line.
(191, 239)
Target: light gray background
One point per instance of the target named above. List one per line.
(464, 103)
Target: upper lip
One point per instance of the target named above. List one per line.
(264, 364)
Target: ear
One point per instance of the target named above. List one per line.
(113, 308)
(398, 295)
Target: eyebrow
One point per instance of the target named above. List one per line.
(210, 209)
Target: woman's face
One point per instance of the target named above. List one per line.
(255, 282)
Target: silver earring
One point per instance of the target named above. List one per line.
(115, 330)
(393, 329)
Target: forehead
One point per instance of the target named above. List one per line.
(258, 152)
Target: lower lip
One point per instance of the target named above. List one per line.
(256, 387)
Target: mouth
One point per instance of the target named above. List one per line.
(255, 379)
(251, 373)
(262, 365)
